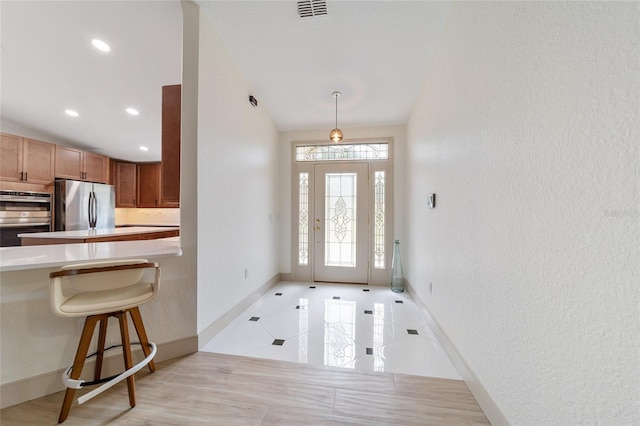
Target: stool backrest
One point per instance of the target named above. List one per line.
(101, 281)
(104, 275)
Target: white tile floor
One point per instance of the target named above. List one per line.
(338, 325)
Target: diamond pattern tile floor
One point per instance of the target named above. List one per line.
(337, 325)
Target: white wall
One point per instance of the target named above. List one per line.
(527, 129)
(285, 154)
(238, 187)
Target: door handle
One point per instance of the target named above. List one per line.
(317, 228)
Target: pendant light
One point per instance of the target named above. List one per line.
(336, 134)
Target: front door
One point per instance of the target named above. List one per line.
(341, 218)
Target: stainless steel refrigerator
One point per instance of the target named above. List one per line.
(84, 205)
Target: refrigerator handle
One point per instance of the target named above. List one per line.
(93, 210)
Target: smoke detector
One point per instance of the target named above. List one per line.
(310, 8)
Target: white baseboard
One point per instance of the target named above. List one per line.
(215, 327)
(286, 276)
(488, 405)
(44, 384)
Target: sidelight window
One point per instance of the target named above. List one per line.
(303, 219)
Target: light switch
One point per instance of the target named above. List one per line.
(432, 201)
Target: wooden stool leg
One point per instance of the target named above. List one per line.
(78, 363)
(102, 337)
(142, 335)
(126, 352)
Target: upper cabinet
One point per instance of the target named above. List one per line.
(149, 185)
(71, 163)
(26, 160)
(171, 110)
(138, 184)
(96, 167)
(126, 183)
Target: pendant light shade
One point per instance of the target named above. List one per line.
(336, 134)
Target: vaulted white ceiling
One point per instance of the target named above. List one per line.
(375, 52)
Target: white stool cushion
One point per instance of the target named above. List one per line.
(102, 287)
(101, 302)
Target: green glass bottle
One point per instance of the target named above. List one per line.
(397, 278)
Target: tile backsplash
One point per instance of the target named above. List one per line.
(148, 217)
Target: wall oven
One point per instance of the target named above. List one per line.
(22, 212)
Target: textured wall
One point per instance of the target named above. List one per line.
(237, 181)
(527, 129)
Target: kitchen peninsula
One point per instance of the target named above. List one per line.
(31, 333)
(132, 233)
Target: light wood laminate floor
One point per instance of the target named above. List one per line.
(216, 389)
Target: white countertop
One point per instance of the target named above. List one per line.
(84, 234)
(51, 256)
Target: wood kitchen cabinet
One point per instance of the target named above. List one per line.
(96, 167)
(149, 184)
(126, 184)
(26, 160)
(76, 164)
(171, 119)
(138, 184)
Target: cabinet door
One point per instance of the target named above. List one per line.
(38, 161)
(149, 185)
(68, 163)
(95, 167)
(125, 184)
(10, 157)
(171, 110)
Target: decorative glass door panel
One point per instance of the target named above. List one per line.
(341, 218)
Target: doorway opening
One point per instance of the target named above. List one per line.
(342, 215)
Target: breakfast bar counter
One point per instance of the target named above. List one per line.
(50, 256)
(99, 235)
(31, 333)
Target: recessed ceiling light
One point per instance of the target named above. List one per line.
(100, 45)
(144, 148)
(71, 112)
(132, 111)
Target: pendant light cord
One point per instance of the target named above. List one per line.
(336, 95)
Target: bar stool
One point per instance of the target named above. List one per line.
(98, 291)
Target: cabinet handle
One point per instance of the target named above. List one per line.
(156, 202)
(25, 177)
(21, 175)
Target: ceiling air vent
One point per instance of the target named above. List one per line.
(309, 8)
